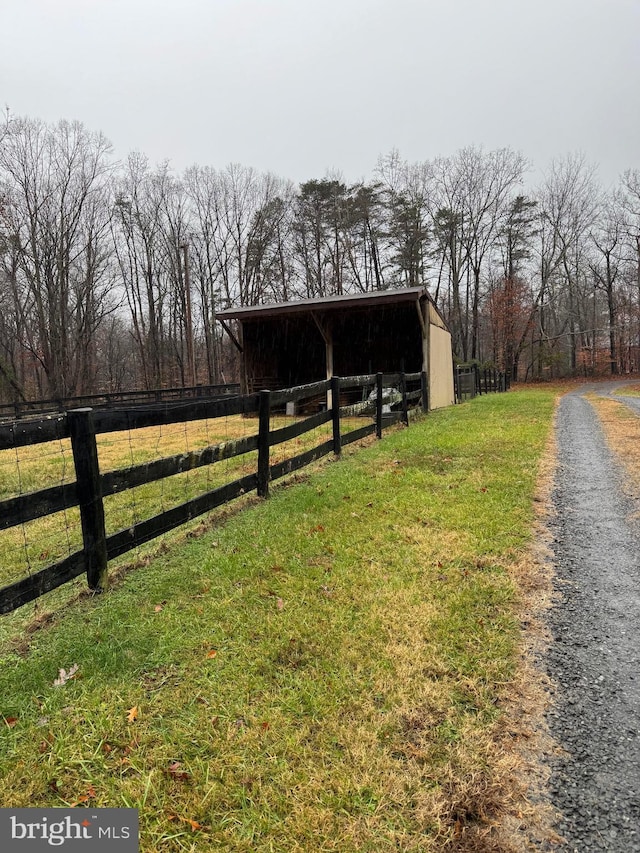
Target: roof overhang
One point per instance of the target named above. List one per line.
(328, 303)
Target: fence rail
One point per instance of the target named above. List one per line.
(111, 399)
(387, 398)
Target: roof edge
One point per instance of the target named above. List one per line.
(328, 303)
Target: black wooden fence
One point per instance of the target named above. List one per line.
(470, 380)
(114, 399)
(388, 398)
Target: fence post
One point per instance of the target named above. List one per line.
(335, 414)
(378, 405)
(264, 418)
(405, 405)
(424, 387)
(85, 460)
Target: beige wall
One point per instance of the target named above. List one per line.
(440, 368)
(434, 317)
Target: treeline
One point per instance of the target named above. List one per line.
(110, 271)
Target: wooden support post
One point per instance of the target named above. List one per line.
(378, 405)
(424, 385)
(424, 314)
(85, 460)
(264, 423)
(405, 405)
(335, 414)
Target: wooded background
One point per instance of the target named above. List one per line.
(111, 271)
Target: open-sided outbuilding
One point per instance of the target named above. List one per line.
(387, 331)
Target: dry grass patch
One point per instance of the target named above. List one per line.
(622, 431)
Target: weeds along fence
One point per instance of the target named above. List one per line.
(381, 400)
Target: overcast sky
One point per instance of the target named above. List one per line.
(300, 87)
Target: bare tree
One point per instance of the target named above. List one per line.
(489, 181)
(630, 207)
(568, 201)
(512, 303)
(56, 186)
(606, 266)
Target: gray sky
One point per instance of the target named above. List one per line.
(298, 87)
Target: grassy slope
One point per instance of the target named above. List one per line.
(322, 673)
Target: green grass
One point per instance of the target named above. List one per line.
(364, 630)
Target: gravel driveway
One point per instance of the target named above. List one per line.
(594, 655)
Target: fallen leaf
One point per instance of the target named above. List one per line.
(192, 823)
(212, 653)
(90, 795)
(64, 676)
(158, 608)
(265, 725)
(317, 529)
(10, 721)
(44, 746)
(132, 714)
(280, 604)
(176, 772)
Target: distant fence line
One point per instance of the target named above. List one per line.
(470, 381)
(110, 399)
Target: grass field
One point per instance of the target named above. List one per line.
(325, 671)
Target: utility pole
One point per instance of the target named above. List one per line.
(191, 364)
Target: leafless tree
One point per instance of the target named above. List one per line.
(568, 204)
(55, 181)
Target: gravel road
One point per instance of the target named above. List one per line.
(594, 655)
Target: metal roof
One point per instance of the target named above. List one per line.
(327, 303)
